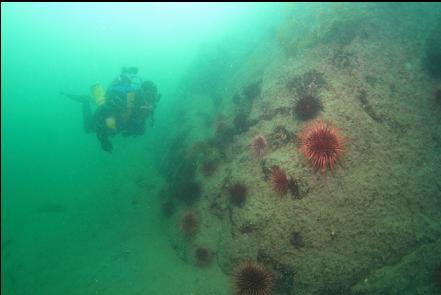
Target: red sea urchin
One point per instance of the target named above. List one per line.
(258, 146)
(279, 180)
(202, 256)
(322, 144)
(208, 168)
(238, 194)
(251, 278)
(189, 224)
(438, 93)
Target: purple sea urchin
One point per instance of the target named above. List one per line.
(251, 278)
(307, 107)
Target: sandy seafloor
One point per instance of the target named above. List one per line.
(373, 226)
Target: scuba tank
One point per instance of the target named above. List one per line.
(127, 82)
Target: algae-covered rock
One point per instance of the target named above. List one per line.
(432, 58)
(415, 273)
(337, 23)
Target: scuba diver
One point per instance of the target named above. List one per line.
(123, 108)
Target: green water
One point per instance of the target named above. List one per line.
(78, 220)
(73, 218)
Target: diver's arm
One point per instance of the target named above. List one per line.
(76, 97)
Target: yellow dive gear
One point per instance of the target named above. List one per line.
(130, 103)
(130, 99)
(98, 94)
(111, 122)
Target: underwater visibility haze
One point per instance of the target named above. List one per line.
(221, 148)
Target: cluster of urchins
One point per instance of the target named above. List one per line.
(322, 145)
(248, 278)
(320, 142)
